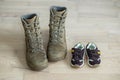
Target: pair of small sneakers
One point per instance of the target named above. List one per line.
(79, 51)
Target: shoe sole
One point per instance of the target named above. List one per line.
(77, 66)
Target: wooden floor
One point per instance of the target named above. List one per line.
(87, 21)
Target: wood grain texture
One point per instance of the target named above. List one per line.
(87, 21)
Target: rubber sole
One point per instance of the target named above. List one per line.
(77, 66)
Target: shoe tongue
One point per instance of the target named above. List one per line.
(31, 19)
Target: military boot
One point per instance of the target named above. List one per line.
(57, 48)
(35, 52)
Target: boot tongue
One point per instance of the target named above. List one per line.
(32, 19)
(58, 12)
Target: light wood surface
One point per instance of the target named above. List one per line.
(87, 21)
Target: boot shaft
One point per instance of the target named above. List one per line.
(30, 23)
(32, 31)
(57, 24)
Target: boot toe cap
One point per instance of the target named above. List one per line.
(56, 55)
(38, 66)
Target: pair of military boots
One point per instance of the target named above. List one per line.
(36, 56)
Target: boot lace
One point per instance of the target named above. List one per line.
(58, 23)
(34, 32)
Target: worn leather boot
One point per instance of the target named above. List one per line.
(35, 52)
(57, 47)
